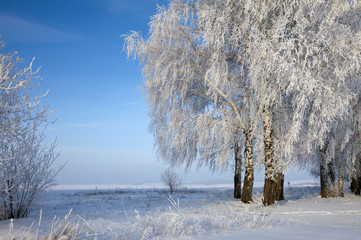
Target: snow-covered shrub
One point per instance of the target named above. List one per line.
(171, 179)
(27, 173)
(68, 228)
(183, 222)
(25, 160)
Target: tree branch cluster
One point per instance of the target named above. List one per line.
(281, 76)
(25, 159)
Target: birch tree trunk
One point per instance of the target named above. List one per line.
(331, 177)
(11, 200)
(341, 174)
(356, 182)
(341, 178)
(358, 161)
(357, 179)
(249, 175)
(279, 182)
(269, 183)
(237, 170)
(323, 179)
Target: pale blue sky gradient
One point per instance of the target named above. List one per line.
(101, 115)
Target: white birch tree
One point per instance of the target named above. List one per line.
(195, 87)
(216, 68)
(309, 51)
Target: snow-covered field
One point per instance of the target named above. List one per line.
(201, 212)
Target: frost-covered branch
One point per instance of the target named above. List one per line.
(26, 161)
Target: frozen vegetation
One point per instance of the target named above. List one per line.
(207, 212)
(248, 84)
(261, 84)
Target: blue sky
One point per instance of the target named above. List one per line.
(101, 115)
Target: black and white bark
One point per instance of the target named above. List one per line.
(237, 170)
(247, 193)
(269, 194)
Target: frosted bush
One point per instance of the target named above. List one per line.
(183, 222)
(68, 228)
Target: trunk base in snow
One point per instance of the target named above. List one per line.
(279, 183)
(248, 186)
(237, 186)
(269, 192)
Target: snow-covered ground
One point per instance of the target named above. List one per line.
(201, 212)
